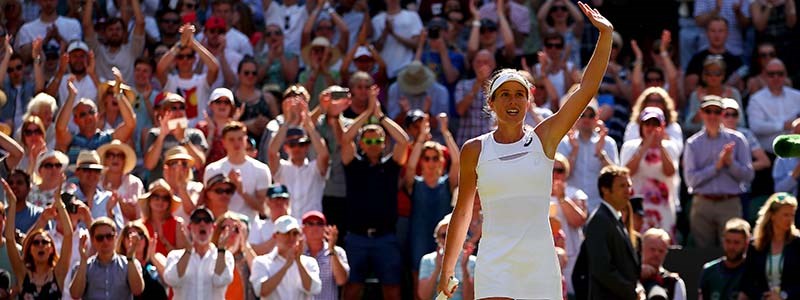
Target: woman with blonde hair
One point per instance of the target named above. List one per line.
(40, 271)
(772, 266)
(145, 251)
(655, 97)
(231, 225)
(157, 206)
(33, 142)
(43, 106)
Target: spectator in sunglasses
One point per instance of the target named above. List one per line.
(172, 131)
(231, 224)
(18, 90)
(134, 239)
(202, 270)
(39, 258)
(43, 106)
(772, 109)
(320, 240)
(588, 149)
(285, 273)
(262, 229)
(277, 64)
(158, 206)
(564, 18)
(765, 52)
(555, 64)
(178, 174)
(260, 106)
(763, 183)
(216, 38)
(85, 115)
(169, 21)
(106, 274)
(48, 170)
(717, 33)
(119, 160)
(290, 17)
(301, 174)
(216, 196)
(713, 74)
(250, 177)
(716, 165)
(115, 49)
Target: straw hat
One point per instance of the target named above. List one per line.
(159, 184)
(415, 78)
(178, 152)
(130, 155)
(87, 159)
(320, 42)
(58, 155)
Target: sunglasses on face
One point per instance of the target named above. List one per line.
(488, 29)
(732, 114)
(558, 8)
(712, 73)
(324, 28)
(373, 141)
(178, 163)
(162, 197)
(273, 32)
(776, 73)
(216, 31)
(31, 132)
(710, 111)
(84, 114)
(184, 56)
(651, 123)
(223, 191)
(15, 68)
(766, 54)
(104, 237)
(588, 115)
(249, 73)
(430, 158)
(559, 170)
(41, 242)
(554, 45)
(190, 5)
(177, 107)
(653, 79)
(317, 223)
(110, 155)
(52, 165)
(202, 219)
(171, 21)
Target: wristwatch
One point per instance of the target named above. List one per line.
(476, 23)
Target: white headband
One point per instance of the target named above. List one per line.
(506, 77)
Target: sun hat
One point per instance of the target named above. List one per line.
(130, 155)
(415, 78)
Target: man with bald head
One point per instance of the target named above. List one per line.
(773, 108)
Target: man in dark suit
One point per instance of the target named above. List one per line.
(613, 263)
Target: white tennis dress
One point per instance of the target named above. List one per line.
(517, 257)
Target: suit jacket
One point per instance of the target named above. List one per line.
(754, 281)
(8, 110)
(613, 263)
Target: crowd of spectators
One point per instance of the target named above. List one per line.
(300, 149)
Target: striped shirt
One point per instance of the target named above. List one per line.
(330, 291)
(475, 121)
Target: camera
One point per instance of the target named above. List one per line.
(336, 95)
(433, 32)
(67, 198)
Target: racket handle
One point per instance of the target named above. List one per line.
(450, 284)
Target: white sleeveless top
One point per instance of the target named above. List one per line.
(517, 257)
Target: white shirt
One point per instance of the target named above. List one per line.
(86, 89)
(196, 92)
(236, 40)
(291, 286)
(291, 20)
(587, 165)
(767, 112)
(261, 231)
(405, 24)
(305, 184)
(233, 58)
(617, 214)
(199, 281)
(69, 28)
(255, 177)
(122, 59)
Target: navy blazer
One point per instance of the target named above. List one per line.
(613, 263)
(754, 281)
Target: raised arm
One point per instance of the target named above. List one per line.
(17, 265)
(473, 42)
(413, 158)
(9, 50)
(670, 70)
(138, 18)
(38, 66)
(344, 32)
(275, 144)
(452, 147)
(504, 28)
(208, 59)
(553, 129)
(637, 74)
(124, 131)
(399, 153)
(15, 151)
(348, 145)
(63, 136)
(86, 21)
(323, 156)
(305, 37)
(64, 260)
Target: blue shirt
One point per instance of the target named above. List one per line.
(107, 281)
(93, 142)
(782, 173)
(587, 165)
(27, 217)
(98, 206)
(699, 163)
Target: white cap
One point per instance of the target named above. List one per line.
(77, 45)
(730, 103)
(221, 92)
(286, 223)
(362, 51)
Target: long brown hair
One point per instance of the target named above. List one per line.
(122, 248)
(670, 114)
(762, 234)
(27, 257)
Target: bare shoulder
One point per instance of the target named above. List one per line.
(471, 149)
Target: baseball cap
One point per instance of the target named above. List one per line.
(215, 22)
(652, 112)
(278, 191)
(637, 205)
(413, 116)
(221, 92)
(296, 135)
(200, 213)
(77, 45)
(362, 51)
(730, 103)
(711, 100)
(488, 24)
(314, 214)
(287, 223)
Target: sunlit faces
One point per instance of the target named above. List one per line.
(717, 32)
(103, 238)
(783, 217)
(654, 251)
(50, 169)
(620, 192)
(85, 117)
(372, 142)
(114, 160)
(19, 186)
(115, 33)
(510, 101)
(289, 239)
(221, 107)
(248, 73)
(201, 227)
(220, 194)
(235, 141)
(142, 73)
(41, 247)
(77, 61)
(730, 117)
(713, 75)
(776, 74)
(159, 201)
(712, 115)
